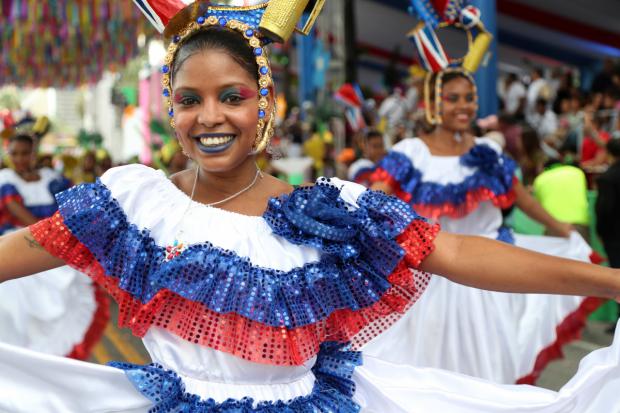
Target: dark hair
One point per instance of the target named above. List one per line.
(613, 148)
(448, 77)
(218, 38)
(373, 134)
(22, 137)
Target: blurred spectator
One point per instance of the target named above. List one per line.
(537, 89)
(104, 161)
(563, 91)
(514, 97)
(394, 108)
(399, 132)
(595, 139)
(45, 161)
(562, 190)
(543, 119)
(532, 159)
(608, 205)
(373, 151)
(87, 169)
(604, 79)
(511, 129)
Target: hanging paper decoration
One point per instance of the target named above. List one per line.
(65, 43)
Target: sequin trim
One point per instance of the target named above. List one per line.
(332, 392)
(240, 336)
(493, 181)
(225, 282)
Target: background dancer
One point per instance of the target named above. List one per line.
(39, 312)
(464, 183)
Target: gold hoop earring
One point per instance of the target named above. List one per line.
(265, 133)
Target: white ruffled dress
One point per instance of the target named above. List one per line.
(39, 312)
(259, 314)
(506, 338)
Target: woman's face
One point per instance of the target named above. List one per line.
(459, 105)
(21, 156)
(215, 103)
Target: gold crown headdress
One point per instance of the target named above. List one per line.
(260, 23)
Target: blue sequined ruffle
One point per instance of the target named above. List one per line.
(8, 190)
(505, 235)
(58, 185)
(493, 171)
(318, 217)
(225, 282)
(333, 389)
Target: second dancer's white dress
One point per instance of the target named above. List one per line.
(506, 338)
(60, 311)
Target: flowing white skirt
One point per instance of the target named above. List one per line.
(35, 382)
(50, 312)
(501, 337)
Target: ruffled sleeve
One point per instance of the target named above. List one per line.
(486, 175)
(8, 193)
(403, 168)
(370, 246)
(363, 229)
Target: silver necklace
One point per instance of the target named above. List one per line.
(178, 246)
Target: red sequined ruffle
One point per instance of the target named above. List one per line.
(97, 327)
(381, 175)
(448, 209)
(5, 217)
(240, 336)
(471, 203)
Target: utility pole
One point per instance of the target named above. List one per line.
(350, 41)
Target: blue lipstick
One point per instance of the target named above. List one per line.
(214, 142)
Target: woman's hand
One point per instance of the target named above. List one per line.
(560, 229)
(532, 208)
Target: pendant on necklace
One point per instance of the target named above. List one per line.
(174, 250)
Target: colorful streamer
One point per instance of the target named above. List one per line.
(66, 43)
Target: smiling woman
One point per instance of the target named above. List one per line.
(263, 304)
(463, 182)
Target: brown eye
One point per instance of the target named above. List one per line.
(470, 98)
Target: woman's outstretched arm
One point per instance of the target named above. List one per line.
(492, 265)
(21, 255)
(535, 210)
(21, 213)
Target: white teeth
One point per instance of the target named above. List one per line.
(216, 141)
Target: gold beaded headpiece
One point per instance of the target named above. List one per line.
(259, 24)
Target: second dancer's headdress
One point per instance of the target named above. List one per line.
(258, 21)
(433, 58)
